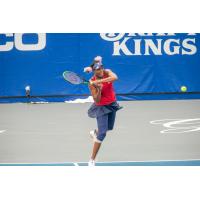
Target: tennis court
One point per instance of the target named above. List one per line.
(57, 134)
(153, 76)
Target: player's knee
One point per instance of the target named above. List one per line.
(101, 136)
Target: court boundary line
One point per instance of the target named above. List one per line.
(101, 162)
(76, 164)
(149, 161)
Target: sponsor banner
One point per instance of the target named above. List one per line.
(144, 63)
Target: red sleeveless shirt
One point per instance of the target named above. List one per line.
(107, 92)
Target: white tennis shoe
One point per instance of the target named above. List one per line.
(93, 134)
(91, 163)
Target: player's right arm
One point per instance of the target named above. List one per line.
(95, 92)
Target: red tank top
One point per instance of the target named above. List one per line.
(107, 92)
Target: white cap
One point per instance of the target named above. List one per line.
(98, 59)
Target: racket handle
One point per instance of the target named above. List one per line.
(90, 82)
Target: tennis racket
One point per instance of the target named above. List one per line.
(74, 78)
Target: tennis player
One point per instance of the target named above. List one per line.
(105, 106)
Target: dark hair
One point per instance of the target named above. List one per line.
(97, 65)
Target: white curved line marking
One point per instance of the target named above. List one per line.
(178, 125)
(2, 131)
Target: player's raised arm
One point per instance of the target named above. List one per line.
(111, 77)
(95, 92)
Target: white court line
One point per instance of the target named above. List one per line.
(111, 162)
(178, 125)
(76, 164)
(2, 131)
(139, 161)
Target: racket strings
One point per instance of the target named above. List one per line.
(72, 78)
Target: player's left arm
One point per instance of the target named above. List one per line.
(111, 77)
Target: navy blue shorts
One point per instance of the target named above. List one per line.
(105, 116)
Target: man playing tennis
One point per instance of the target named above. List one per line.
(105, 105)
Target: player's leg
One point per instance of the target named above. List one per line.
(111, 120)
(95, 150)
(93, 133)
(102, 123)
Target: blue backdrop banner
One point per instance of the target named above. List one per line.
(145, 63)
